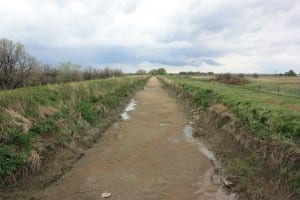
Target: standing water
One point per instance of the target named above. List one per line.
(210, 175)
(130, 107)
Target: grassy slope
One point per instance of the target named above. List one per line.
(40, 119)
(266, 115)
(274, 120)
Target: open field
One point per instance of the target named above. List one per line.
(276, 84)
(283, 85)
(37, 122)
(262, 129)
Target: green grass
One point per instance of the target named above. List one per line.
(276, 84)
(10, 162)
(266, 115)
(282, 85)
(271, 118)
(43, 118)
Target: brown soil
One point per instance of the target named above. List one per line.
(146, 157)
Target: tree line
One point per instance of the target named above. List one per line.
(154, 72)
(19, 69)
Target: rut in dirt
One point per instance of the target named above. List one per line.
(144, 157)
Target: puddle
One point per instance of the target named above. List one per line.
(219, 178)
(130, 107)
(125, 116)
(188, 133)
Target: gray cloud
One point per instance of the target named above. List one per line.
(221, 35)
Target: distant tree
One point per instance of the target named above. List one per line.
(161, 71)
(210, 73)
(88, 73)
(241, 75)
(49, 74)
(290, 73)
(68, 72)
(18, 69)
(254, 75)
(91, 73)
(15, 64)
(153, 72)
(141, 72)
(108, 72)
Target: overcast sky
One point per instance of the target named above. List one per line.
(246, 36)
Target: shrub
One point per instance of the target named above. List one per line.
(290, 73)
(231, 79)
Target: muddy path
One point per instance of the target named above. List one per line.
(144, 157)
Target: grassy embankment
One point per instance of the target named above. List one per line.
(272, 123)
(36, 121)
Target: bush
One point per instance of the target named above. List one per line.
(290, 73)
(231, 79)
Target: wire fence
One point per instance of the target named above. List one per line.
(284, 89)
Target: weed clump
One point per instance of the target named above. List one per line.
(10, 162)
(231, 79)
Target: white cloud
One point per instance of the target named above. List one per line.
(239, 35)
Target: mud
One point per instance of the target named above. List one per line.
(147, 156)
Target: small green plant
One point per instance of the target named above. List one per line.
(10, 162)
(19, 138)
(87, 112)
(44, 127)
(49, 146)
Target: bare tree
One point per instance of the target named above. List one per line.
(18, 69)
(15, 64)
(68, 72)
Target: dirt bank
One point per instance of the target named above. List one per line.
(144, 157)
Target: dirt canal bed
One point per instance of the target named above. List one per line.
(148, 154)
